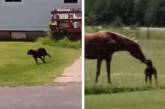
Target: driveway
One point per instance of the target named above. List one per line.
(65, 94)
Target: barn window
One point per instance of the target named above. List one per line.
(13, 0)
(70, 1)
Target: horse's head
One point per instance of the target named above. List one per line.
(123, 43)
(136, 52)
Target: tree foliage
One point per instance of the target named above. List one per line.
(130, 12)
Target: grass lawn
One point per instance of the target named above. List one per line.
(17, 68)
(154, 99)
(128, 89)
(127, 72)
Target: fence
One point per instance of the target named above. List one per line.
(138, 32)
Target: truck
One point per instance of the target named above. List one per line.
(66, 23)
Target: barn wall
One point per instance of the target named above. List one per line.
(32, 35)
(21, 35)
(5, 35)
(29, 15)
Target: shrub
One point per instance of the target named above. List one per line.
(64, 43)
(103, 89)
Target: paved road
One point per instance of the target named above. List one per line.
(41, 97)
(65, 94)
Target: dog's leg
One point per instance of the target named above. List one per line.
(150, 79)
(43, 59)
(36, 60)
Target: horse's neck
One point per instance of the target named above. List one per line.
(123, 47)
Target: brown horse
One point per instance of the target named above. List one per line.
(101, 46)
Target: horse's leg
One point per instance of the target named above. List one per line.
(98, 69)
(108, 62)
(156, 78)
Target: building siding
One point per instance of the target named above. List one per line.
(29, 15)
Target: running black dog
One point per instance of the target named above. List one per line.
(39, 53)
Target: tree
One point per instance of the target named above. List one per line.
(130, 12)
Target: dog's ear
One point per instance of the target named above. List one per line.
(29, 52)
(148, 62)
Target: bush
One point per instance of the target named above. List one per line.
(64, 43)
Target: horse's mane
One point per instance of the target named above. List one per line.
(116, 35)
(121, 35)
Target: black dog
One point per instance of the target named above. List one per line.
(149, 71)
(39, 53)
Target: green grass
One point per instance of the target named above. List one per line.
(127, 73)
(128, 89)
(17, 68)
(154, 99)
